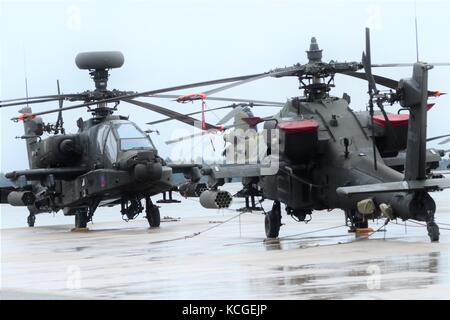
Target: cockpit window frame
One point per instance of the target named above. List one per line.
(107, 137)
(116, 124)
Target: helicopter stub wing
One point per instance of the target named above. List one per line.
(36, 174)
(190, 171)
(399, 186)
(240, 170)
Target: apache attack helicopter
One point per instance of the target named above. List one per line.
(326, 156)
(109, 161)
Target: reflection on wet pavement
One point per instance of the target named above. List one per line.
(321, 280)
(318, 260)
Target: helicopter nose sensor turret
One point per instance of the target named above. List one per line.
(314, 53)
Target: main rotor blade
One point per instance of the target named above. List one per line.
(217, 129)
(145, 93)
(51, 96)
(188, 137)
(235, 84)
(172, 114)
(191, 85)
(445, 141)
(272, 73)
(366, 60)
(389, 83)
(388, 65)
(438, 137)
(207, 110)
(59, 121)
(260, 102)
(30, 102)
(188, 114)
(229, 115)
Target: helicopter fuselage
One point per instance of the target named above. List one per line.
(108, 161)
(325, 145)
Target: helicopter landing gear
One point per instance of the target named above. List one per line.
(356, 220)
(432, 227)
(81, 219)
(299, 215)
(249, 192)
(165, 200)
(249, 208)
(152, 211)
(31, 219)
(433, 231)
(272, 221)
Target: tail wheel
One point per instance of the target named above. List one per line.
(153, 216)
(272, 221)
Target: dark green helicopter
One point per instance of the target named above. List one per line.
(322, 155)
(109, 161)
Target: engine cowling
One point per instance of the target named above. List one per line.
(58, 151)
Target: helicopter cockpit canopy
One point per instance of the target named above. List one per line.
(130, 137)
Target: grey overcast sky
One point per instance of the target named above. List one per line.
(173, 42)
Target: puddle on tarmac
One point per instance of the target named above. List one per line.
(344, 279)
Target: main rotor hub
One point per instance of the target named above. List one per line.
(100, 77)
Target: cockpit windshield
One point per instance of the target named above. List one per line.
(130, 138)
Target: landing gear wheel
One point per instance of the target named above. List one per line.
(153, 217)
(81, 220)
(362, 224)
(31, 220)
(433, 231)
(152, 211)
(356, 220)
(272, 221)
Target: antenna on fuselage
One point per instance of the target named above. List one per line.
(25, 71)
(417, 36)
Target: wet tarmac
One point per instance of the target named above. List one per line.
(203, 254)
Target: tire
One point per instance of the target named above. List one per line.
(433, 231)
(357, 220)
(362, 224)
(272, 223)
(31, 220)
(81, 220)
(153, 217)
